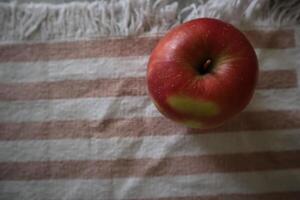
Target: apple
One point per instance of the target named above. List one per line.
(202, 73)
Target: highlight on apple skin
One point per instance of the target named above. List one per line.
(202, 73)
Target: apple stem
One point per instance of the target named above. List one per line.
(206, 64)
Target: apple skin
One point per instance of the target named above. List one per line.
(202, 73)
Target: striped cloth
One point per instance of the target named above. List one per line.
(76, 123)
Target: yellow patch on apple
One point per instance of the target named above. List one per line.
(193, 107)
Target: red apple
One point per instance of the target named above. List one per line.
(202, 73)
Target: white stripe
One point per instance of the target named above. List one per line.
(118, 107)
(135, 66)
(149, 147)
(272, 59)
(79, 69)
(72, 109)
(54, 189)
(275, 99)
(155, 187)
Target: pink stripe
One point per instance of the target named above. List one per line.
(117, 87)
(137, 127)
(122, 47)
(184, 165)
(292, 195)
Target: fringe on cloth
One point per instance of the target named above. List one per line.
(38, 22)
